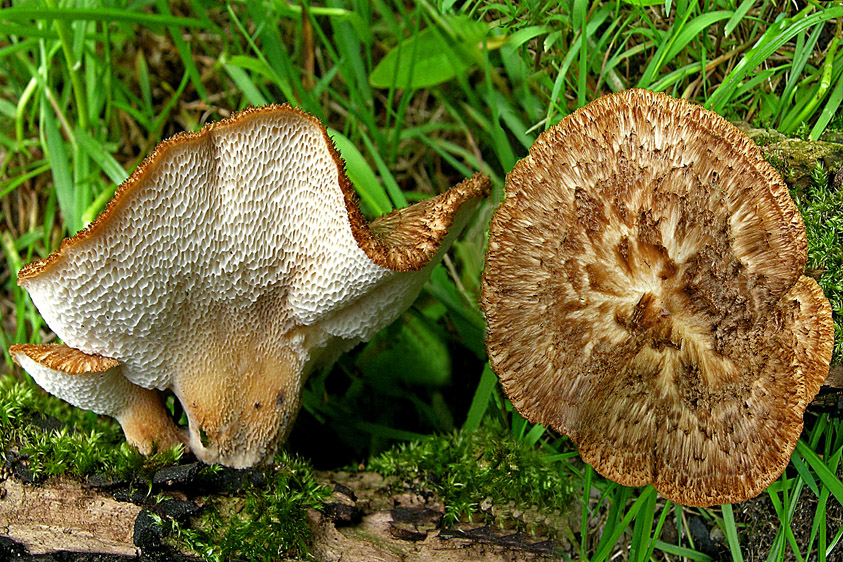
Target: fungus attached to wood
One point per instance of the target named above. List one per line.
(644, 294)
(231, 263)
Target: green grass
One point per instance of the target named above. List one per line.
(417, 95)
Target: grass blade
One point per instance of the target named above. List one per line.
(777, 35)
(736, 18)
(670, 49)
(831, 109)
(184, 51)
(804, 473)
(801, 53)
(372, 193)
(642, 531)
(481, 399)
(609, 539)
(23, 14)
(103, 160)
(828, 478)
(586, 500)
(60, 166)
(247, 87)
(731, 533)
(534, 435)
(685, 553)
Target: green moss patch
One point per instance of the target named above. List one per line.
(486, 473)
(42, 437)
(822, 210)
(261, 522)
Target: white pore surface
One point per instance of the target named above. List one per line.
(247, 216)
(104, 393)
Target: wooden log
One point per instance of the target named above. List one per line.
(62, 515)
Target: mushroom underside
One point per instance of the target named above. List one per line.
(225, 275)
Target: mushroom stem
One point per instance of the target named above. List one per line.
(147, 424)
(97, 383)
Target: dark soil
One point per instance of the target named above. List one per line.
(759, 522)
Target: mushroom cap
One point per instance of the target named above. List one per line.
(644, 295)
(232, 261)
(96, 383)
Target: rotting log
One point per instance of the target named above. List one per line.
(795, 159)
(64, 516)
(406, 526)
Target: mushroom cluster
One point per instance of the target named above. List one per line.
(644, 294)
(231, 263)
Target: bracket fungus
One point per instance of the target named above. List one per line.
(644, 294)
(231, 263)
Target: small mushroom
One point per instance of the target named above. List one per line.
(644, 294)
(231, 263)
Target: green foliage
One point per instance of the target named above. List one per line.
(82, 444)
(88, 88)
(816, 461)
(262, 522)
(777, 35)
(822, 210)
(414, 342)
(468, 469)
(16, 402)
(644, 2)
(438, 54)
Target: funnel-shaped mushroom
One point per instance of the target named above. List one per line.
(644, 295)
(228, 265)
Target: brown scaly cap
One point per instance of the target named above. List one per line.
(644, 295)
(410, 251)
(405, 239)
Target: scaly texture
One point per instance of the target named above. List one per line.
(644, 295)
(229, 264)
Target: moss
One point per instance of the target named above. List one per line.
(262, 522)
(822, 210)
(44, 437)
(795, 159)
(780, 164)
(259, 523)
(764, 139)
(487, 473)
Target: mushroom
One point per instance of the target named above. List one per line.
(231, 263)
(644, 295)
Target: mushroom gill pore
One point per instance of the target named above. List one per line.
(232, 262)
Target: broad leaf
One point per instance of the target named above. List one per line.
(433, 56)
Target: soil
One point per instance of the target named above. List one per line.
(760, 523)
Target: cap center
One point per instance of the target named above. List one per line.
(650, 319)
